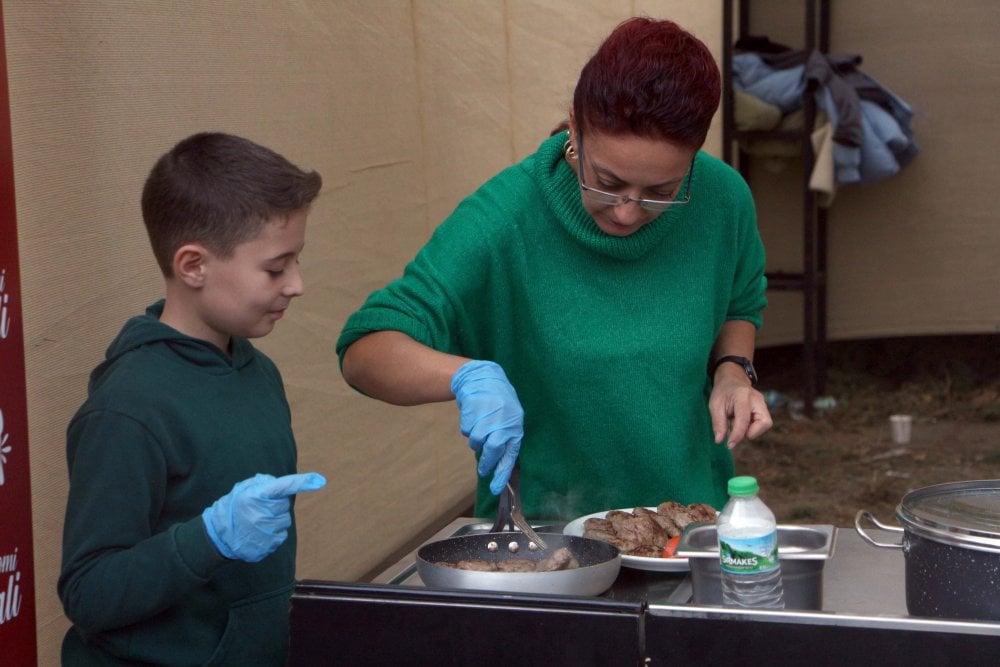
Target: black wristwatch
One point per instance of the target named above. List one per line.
(742, 361)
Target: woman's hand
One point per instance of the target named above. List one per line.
(737, 409)
(491, 416)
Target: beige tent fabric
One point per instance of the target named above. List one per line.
(404, 107)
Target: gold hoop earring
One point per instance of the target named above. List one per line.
(569, 151)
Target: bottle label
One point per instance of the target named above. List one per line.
(752, 555)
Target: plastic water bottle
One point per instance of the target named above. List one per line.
(748, 549)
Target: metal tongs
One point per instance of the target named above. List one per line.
(509, 512)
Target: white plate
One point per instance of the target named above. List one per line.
(575, 527)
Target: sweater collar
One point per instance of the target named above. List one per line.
(562, 193)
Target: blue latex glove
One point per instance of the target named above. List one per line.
(250, 522)
(491, 416)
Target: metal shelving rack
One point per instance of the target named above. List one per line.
(811, 281)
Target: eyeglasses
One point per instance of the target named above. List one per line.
(611, 199)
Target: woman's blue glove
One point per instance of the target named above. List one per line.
(250, 522)
(491, 416)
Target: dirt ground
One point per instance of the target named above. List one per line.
(825, 468)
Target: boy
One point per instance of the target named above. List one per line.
(179, 542)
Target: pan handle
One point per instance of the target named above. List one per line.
(865, 514)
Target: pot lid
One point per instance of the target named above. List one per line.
(960, 513)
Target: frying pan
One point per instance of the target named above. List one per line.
(599, 564)
(599, 561)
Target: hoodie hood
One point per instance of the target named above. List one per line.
(146, 330)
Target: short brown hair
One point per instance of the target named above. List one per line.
(652, 79)
(219, 190)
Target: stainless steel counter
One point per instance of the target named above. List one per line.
(862, 579)
(858, 579)
(645, 618)
(864, 588)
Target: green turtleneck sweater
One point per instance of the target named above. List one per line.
(606, 339)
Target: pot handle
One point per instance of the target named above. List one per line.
(865, 514)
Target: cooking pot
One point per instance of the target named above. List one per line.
(951, 548)
(599, 564)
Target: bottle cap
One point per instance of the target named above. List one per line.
(743, 486)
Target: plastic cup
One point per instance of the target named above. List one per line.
(901, 427)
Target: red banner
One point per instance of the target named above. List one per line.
(17, 580)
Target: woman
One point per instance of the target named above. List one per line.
(592, 284)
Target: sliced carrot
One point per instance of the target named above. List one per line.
(671, 548)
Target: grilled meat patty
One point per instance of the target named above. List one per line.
(560, 559)
(644, 532)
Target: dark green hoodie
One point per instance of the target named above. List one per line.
(170, 424)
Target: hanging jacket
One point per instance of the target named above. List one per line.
(871, 125)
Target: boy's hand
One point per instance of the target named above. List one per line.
(250, 522)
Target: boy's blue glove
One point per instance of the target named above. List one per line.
(250, 522)
(491, 416)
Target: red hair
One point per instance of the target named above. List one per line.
(652, 79)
